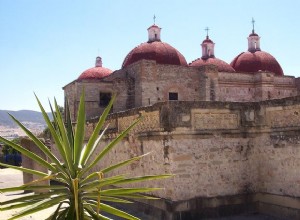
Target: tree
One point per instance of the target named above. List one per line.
(11, 155)
(82, 194)
(7, 149)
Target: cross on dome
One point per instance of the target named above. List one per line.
(206, 29)
(154, 32)
(253, 40)
(253, 21)
(207, 47)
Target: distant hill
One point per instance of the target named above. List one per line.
(22, 115)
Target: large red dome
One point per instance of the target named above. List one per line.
(256, 61)
(222, 66)
(158, 51)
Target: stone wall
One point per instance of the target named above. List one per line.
(30, 164)
(158, 80)
(215, 149)
(145, 83)
(92, 96)
(229, 135)
(243, 87)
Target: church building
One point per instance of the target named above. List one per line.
(229, 132)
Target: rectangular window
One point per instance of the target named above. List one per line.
(173, 96)
(105, 97)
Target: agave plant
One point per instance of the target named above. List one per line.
(82, 194)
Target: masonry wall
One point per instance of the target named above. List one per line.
(159, 80)
(243, 87)
(92, 89)
(70, 92)
(216, 148)
(145, 83)
(30, 164)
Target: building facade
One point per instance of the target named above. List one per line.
(230, 132)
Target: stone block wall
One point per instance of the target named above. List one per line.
(214, 148)
(145, 83)
(28, 163)
(278, 163)
(243, 87)
(92, 89)
(158, 80)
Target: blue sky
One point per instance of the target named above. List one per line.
(44, 45)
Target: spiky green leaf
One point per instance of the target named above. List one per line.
(109, 147)
(89, 149)
(25, 170)
(64, 138)
(142, 178)
(115, 211)
(28, 153)
(108, 199)
(55, 135)
(34, 197)
(69, 125)
(79, 131)
(126, 191)
(102, 182)
(18, 188)
(36, 140)
(38, 207)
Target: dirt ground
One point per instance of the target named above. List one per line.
(9, 178)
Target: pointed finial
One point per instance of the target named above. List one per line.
(154, 17)
(253, 21)
(206, 29)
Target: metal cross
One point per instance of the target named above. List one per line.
(154, 19)
(206, 29)
(253, 21)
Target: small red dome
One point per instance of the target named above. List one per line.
(153, 26)
(161, 52)
(253, 34)
(95, 73)
(256, 61)
(222, 66)
(207, 40)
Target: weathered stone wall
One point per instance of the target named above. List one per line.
(30, 164)
(145, 83)
(243, 87)
(278, 166)
(92, 96)
(158, 80)
(214, 148)
(222, 141)
(70, 92)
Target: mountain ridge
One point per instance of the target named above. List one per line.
(22, 116)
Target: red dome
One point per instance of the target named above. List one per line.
(258, 60)
(222, 66)
(207, 40)
(161, 52)
(95, 73)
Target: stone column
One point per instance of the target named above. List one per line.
(29, 163)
